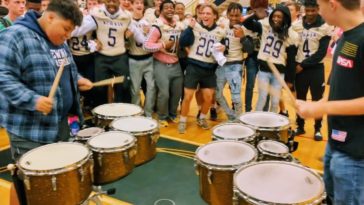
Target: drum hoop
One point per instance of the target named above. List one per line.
(107, 117)
(88, 137)
(224, 167)
(113, 149)
(250, 137)
(245, 139)
(263, 128)
(137, 133)
(314, 201)
(274, 154)
(68, 168)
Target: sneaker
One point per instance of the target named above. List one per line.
(318, 136)
(203, 124)
(213, 114)
(299, 131)
(173, 119)
(163, 123)
(182, 127)
(231, 118)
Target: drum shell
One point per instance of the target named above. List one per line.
(278, 135)
(68, 184)
(114, 165)
(83, 140)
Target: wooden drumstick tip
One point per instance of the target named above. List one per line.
(11, 167)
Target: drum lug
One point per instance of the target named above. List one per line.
(209, 176)
(99, 159)
(126, 156)
(92, 169)
(154, 138)
(82, 173)
(235, 198)
(26, 182)
(54, 183)
(196, 169)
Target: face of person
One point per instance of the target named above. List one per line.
(112, 6)
(62, 33)
(138, 6)
(277, 19)
(16, 7)
(168, 11)
(234, 16)
(326, 12)
(91, 4)
(125, 4)
(180, 11)
(157, 4)
(208, 17)
(311, 14)
(293, 11)
(44, 5)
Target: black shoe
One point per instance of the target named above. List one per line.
(299, 131)
(213, 114)
(318, 136)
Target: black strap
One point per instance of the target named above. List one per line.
(4, 22)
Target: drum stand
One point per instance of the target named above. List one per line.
(98, 193)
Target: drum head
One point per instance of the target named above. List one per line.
(276, 182)
(134, 124)
(109, 140)
(234, 131)
(53, 156)
(115, 110)
(89, 132)
(273, 147)
(226, 153)
(264, 120)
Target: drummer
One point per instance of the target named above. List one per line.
(31, 53)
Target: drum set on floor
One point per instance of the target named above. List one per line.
(250, 163)
(65, 173)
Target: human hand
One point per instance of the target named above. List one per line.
(44, 105)
(314, 110)
(238, 31)
(298, 68)
(128, 33)
(84, 84)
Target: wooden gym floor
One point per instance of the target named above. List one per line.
(309, 152)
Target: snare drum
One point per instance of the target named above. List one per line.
(114, 154)
(85, 134)
(146, 131)
(273, 150)
(57, 174)
(233, 131)
(278, 183)
(268, 125)
(216, 163)
(104, 114)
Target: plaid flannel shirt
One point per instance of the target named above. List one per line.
(27, 71)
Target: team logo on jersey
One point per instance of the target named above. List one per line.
(345, 62)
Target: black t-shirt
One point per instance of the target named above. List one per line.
(346, 133)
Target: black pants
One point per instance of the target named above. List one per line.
(108, 67)
(86, 67)
(312, 79)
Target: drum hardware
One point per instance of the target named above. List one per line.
(26, 182)
(98, 193)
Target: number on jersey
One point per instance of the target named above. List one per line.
(205, 46)
(76, 44)
(275, 44)
(112, 38)
(306, 48)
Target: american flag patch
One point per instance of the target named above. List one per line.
(338, 135)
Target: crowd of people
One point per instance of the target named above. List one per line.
(172, 56)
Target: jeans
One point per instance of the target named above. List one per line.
(251, 73)
(140, 69)
(344, 178)
(231, 74)
(268, 83)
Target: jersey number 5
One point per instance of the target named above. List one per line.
(112, 37)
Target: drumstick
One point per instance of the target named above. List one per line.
(110, 81)
(56, 80)
(282, 82)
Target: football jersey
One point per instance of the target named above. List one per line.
(272, 48)
(201, 49)
(110, 32)
(233, 46)
(136, 48)
(170, 33)
(79, 45)
(309, 41)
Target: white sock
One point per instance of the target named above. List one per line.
(202, 116)
(183, 119)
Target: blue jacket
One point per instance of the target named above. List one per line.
(28, 65)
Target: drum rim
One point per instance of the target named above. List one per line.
(274, 154)
(113, 149)
(68, 168)
(277, 128)
(136, 133)
(107, 117)
(224, 167)
(315, 200)
(249, 138)
(77, 137)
